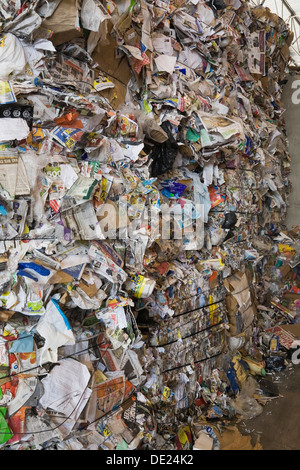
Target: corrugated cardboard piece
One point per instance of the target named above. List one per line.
(117, 69)
(64, 22)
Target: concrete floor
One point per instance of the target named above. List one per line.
(278, 426)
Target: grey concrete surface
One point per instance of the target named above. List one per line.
(278, 426)
(291, 102)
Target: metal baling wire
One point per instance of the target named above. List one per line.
(190, 363)
(192, 349)
(203, 330)
(25, 239)
(83, 394)
(197, 346)
(160, 345)
(113, 409)
(141, 386)
(13, 340)
(184, 313)
(211, 212)
(110, 411)
(195, 295)
(29, 336)
(199, 361)
(56, 427)
(220, 332)
(182, 300)
(176, 316)
(65, 419)
(69, 416)
(64, 357)
(188, 336)
(51, 238)
(200, 308)
(191, 311)
(199, 317)
(68, 395)
(171, 318)
(182, 366)
(190, 321)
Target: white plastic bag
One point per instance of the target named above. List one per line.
(12, 56)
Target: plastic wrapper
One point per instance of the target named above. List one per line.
(12, 56)
(163, 156)
(245, 404)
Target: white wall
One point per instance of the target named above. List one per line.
(291, 102)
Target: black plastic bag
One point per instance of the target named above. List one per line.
(216, 4)
(275, 363)
(163, 155)
(230, 220)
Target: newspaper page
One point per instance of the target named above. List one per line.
(105, 265)
(110, 394)
(9, 173)
(22, 184)
(7, 94)
(257, 54)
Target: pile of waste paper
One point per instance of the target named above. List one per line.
(147, 280)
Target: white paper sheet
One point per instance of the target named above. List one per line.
(13, 129)
(92, 15)
(64, 388)
(25, 390)
(165, 63)
(162, 44)
(53, 326)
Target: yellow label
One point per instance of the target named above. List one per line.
(107, 431)
(70, 142)
(212, 308)
(35, 306)
(105, 187)
(166, 393)
(140, 288)
(26, 230)
(4, 88)
(283, 247)
(273, 344)
(139, 285)
(240, 371)
(4, 146)
(182, 437)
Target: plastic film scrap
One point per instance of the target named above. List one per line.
(147, 280)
